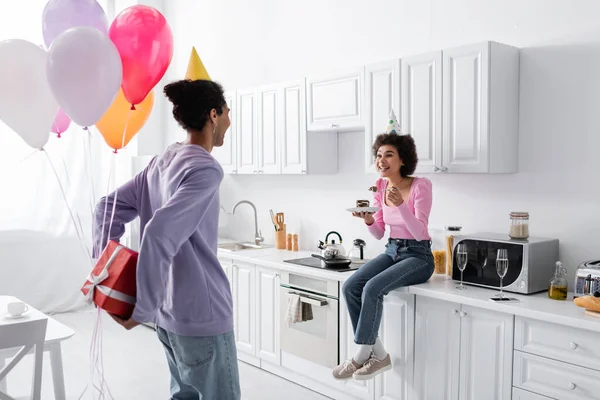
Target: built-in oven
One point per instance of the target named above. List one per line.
(316, 339)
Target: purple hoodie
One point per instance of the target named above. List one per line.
(181, 286)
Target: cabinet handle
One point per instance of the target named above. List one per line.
(444, 169)
(334, 125)
(303, 171)
(574, 345)
(572, 386)
(463, 314)
(436, 169)
(255, 171)
(454, 311)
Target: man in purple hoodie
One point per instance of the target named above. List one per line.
(181, 287)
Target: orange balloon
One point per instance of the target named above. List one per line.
(120, 116)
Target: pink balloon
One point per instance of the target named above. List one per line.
(61, 123)
(145, 43)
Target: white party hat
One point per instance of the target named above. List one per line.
(393, 126)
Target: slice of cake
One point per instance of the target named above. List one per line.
(362, 203)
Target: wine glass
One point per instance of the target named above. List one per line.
(461, 259)
(501, 268)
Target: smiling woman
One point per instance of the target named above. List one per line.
(405, 204)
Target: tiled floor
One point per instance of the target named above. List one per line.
(135, 367)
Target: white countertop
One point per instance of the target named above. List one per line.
(536, 306)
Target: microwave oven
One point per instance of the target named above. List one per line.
(532, 262)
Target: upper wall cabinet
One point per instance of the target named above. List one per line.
(247, 127)
(382, 94)
(268, 134)
(481, 109)
(422, 107)
(226, 154)
(335, 103)
(460, 105)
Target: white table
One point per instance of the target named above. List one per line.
(55, 334)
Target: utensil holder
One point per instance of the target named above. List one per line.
(280, 239)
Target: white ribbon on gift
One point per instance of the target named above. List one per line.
(96, 281)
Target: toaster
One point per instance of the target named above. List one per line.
(587, 279)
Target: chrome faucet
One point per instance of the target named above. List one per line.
(258, 239)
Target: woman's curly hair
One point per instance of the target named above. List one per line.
(407, 150)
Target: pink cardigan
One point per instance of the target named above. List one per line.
(410, 219)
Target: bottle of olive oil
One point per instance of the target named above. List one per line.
(558, 287)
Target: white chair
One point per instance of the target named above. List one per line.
(24, 335)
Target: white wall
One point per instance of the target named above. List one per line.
(249, 43)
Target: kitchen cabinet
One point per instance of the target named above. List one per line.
(247, 126)
(293, 128)
(244, 319)
(360, 389)
(437, 351)
(471, 359)
(226, 154)
(382, 95)
(480, 109)
(397, 334)
(268, 133)
(335, 102)
(461, 106)
(422, 107)
(519, 394)
(267, 300)
(555, 360)
(255, 295)
(227, 265)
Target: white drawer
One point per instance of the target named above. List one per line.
(519, 394)
(555, 379)
(559, 342)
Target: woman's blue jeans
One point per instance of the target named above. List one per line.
(405, 262)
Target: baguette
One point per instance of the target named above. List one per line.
(588, 302)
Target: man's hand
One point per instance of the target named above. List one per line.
(128, 324)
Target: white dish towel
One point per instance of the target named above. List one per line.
(294, 310)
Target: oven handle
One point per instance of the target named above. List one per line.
(310, 300)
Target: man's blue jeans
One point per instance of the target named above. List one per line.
(202, 367)
(405, 262)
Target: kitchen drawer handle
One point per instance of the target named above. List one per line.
(572, 386)
(574, 345)
(311, 301)
(463, 314)
(454, 311)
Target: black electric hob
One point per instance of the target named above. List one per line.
(316, 263)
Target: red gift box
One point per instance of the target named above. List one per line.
(112, 283)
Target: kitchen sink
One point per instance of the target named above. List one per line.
(238, 246)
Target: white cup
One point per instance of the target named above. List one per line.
(17, 308)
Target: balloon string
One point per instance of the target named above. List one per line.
(87, 152)
(64, 164)
(62, 190)
(114, 207)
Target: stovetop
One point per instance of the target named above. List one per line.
(316, 263)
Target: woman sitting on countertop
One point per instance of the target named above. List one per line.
(405, 204)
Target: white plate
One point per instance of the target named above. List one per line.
(8, 316)
(364, 209)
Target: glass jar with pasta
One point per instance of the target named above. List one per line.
(451, 231)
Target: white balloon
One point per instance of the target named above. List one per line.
(27, 104)
(85, 72)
